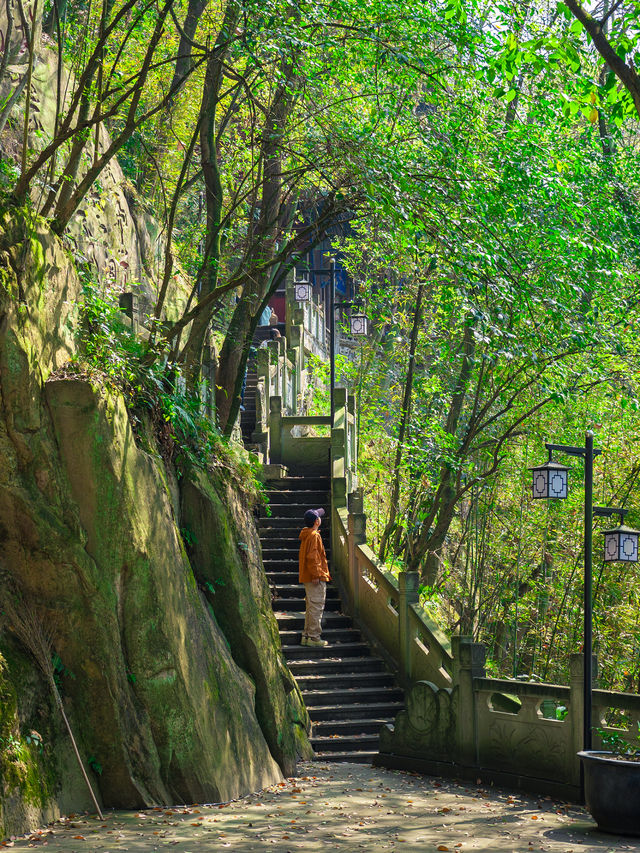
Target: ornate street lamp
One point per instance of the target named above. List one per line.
(302, 290)
(621, 544)
(550, 480)
(359, 325)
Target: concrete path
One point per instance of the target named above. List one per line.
(345, 807)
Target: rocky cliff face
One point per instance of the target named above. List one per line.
(168, 662)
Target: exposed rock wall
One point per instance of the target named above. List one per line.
(175, 698)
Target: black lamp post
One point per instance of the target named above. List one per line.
(551, 481)
(359, 323)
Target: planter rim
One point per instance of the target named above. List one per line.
(606, 756)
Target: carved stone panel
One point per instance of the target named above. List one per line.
(427, 728)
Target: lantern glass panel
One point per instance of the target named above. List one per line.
(302, 291)
(359, 324)
(610, 547)
(550, 481)
(540, 482)
(558, 484)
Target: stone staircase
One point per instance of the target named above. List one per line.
(348, 691)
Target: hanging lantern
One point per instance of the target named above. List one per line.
(550, 480)
(359, 324)
(621, 545)
(302, 291)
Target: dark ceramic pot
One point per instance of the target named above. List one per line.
(612, 792)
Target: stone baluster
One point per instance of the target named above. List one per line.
(338, 450)
(408, 583)
(468, 663)
(357, 534)
(275, 430)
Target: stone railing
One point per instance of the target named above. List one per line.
(387, 608)
(503, 731)
(281, 375)
(299, 451)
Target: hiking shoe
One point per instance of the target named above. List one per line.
(319, 644)
(304, 641)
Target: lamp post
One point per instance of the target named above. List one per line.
(551, 481)
(302, 291)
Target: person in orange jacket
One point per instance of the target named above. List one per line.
(314, 574)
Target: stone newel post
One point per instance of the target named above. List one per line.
(357, 532)
(468, 663)
(275, 430)
(408, 584)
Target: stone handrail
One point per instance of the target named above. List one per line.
(279, 374)
(387, 607)
(627, 706)
(300, 452)
(504, 731)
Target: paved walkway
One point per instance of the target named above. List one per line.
(345, 807)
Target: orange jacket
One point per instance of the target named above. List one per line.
(312, 559)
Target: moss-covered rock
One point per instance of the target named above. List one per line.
(170, 700)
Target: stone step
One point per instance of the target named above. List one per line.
(293, 510)
(344, 663)
(353, 696)
(313, 482)
(295, 621)
(312, 499)
(334, 636)
(357, 726)
(288, 539)
(278, 579)
(295, 653)
(348, 743)
(284, 556)
(355, 757)
(362, 711)
(276, 551)
(297, 591)
(342, 682)
(292, 605)
(287, 527)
